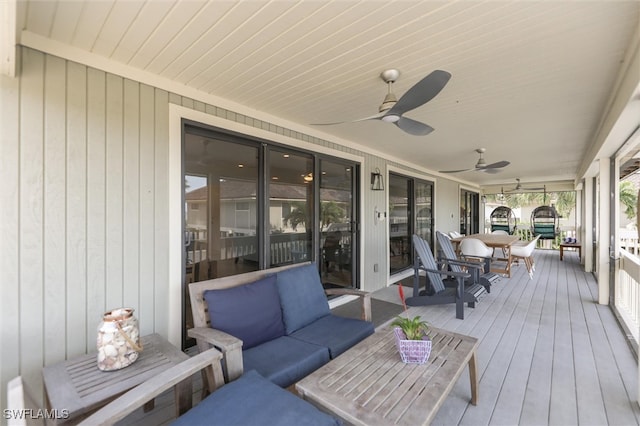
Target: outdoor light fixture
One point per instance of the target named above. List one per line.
(377, 183)
(484, 199)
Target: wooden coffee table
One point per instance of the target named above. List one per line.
(79, 387)
(370, 385)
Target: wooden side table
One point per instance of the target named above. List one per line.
(77, 385)
(576, 246)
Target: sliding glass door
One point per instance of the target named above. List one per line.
(251, 204)
(410, 211)
(469, 212)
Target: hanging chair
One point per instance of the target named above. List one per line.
(503, 219)
(545, 222)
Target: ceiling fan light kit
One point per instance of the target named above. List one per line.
(391, 118)
(392, 109)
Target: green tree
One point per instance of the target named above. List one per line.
(565, 201)
(628, 198)
(331, 212)
(298, 215)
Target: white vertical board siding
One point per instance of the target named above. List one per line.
(114, 192)
(375, 235)
(83, 210)
(76, 322)
(54, 238)
(146, 211)
(161, 215)
(31, 220)
(447, 198)
(131, 194)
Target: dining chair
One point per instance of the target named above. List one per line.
(474, 248)
(525, 252)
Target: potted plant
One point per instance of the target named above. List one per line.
(412, 340)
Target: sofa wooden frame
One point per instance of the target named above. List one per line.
(230, 346)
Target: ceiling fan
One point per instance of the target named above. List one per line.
(520, 188)
(481, 165)
(392, 109)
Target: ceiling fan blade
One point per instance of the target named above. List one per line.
(498, 165)
(414, 127)
(489, 171)
(422, 92)
(377, 116)
(456, 171)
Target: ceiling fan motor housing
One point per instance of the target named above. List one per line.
(388, 103)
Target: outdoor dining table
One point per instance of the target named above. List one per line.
(494, 241)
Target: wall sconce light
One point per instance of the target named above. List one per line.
(484, 199)
(377, 183)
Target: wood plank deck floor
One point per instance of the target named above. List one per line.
(548, 353)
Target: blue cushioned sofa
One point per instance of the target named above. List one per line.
(275, 321)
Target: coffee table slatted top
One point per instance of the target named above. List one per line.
(370, 385)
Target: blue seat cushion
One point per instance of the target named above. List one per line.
(302, 296)
(253, 400)
(335, 332)
(285, 360)
(250, 312)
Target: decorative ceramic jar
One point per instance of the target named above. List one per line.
(412, 351)
(118, 339)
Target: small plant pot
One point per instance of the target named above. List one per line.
(412, 351)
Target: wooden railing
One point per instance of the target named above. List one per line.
(629, 240)
(627, 291)
(284, 248)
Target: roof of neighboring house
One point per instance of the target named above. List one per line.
(236, 189)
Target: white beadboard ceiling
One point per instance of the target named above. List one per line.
(530, 82)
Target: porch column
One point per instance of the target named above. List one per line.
(603, 240)
(588, 225)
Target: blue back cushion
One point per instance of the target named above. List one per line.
(302, 296)
(250, 312)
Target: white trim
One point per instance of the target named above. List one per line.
(8, 17)
(392, 279)
(175, 226)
